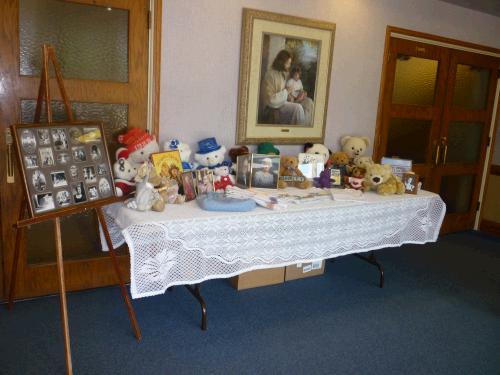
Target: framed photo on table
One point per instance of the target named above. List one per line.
(63, 165)
(168, 164)
(285, 65)
(265, 171)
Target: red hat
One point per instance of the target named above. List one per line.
(134, 139)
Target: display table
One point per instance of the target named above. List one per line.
(185, 245)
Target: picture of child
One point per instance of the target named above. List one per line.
(205, 181)
(297, 94)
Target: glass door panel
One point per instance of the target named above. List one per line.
(91, 42)
(415, 80)
(464, 142)
(471, 87)
(409, 139)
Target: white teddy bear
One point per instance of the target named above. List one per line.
(184, 151)
(124, 173)
(210, 154)
(354, 146)
(317, 148)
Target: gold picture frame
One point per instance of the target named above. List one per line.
(165, 162)
(265, 111)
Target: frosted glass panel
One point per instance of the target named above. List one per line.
(471, 87)
(464, 142)
(113, 116)
(456, 191)
(91, 42)
(415, 80)
(408, 139)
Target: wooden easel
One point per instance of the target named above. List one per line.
(44, 95)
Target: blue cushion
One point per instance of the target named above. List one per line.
(219, 202)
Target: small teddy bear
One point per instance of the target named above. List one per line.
(138, 146)
(124, 173)
(222, 177)
(338, 159)
(355, 178)
(210, 154)
(289, 171)
(318, 148)
(323, 181)
(354, 146)
(380, 178)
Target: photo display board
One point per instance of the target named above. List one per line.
(63, 165)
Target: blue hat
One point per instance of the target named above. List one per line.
(208, 145)
(174, 144)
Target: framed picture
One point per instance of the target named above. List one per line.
(168, 164)
(336, 177)
(284, 78)
(311, 165)
(188, 185)
(63, 165)
(204, 181)
(265, 171)
(410, 181)
(243, 170)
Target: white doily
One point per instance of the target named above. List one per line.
(186, 245)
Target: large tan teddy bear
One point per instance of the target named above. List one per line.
(380, 178)
(288, 170)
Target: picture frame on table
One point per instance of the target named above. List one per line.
(189, 185)
(285, 68)
(311, 165)
(58, 169)
(204, 181)
(264, 171)
(243, 171)
(168, 164)
(410, 181)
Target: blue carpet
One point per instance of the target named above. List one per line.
(438, 313)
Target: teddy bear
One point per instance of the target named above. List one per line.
(355, 178)
(184, 151)
(323, 181)
(146, 196)
(124, 173)
(362, 162)
(289, 168)
(138, 146)
(380, 178)
(338, 159)
(317, 148)
(354, 146)
(222, 177)
(210, 154)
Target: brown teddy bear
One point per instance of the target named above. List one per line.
(380, 178)
(338, 159)
(288, 170)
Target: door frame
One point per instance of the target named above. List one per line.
(153, 106)
(430, 39)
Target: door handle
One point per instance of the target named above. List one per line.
(437, 153)
(445, 151)
(10, 162)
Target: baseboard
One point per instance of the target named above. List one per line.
(490, 227)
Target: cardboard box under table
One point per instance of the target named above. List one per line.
(257, 278)
(303, 270)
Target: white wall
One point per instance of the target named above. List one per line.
(201, 47)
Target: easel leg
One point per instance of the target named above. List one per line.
(62, 296)
(196, 293)
(15, 260)
(372, 260)
(126, 299)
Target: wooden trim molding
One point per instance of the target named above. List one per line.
(156, 33)
(495, 170)
(490, 227)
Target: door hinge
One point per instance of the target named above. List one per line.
(478, 206)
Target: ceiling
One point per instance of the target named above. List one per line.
(486, 6)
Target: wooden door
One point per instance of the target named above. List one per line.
(435, 109)
(102, 46)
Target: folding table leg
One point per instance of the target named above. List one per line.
(196, 293)
(372, 260)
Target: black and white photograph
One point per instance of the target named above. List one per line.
(104, 187)
(73, 172)
(101, 169)
(46, 156)
(38, 180)
(31, 161)
(74, 135)
(28, 141)
(43, 137)
(60, 139)
(63, 158)
(265, 170)
(93, 192)
(243, 170)
(78, 192)
(58, 179)
(79, 153)
(95, 153)
(89, 175)
(63, 198)
(43, 202)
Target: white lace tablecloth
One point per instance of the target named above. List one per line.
(186, 245)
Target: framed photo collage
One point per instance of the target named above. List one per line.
(63, 165)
